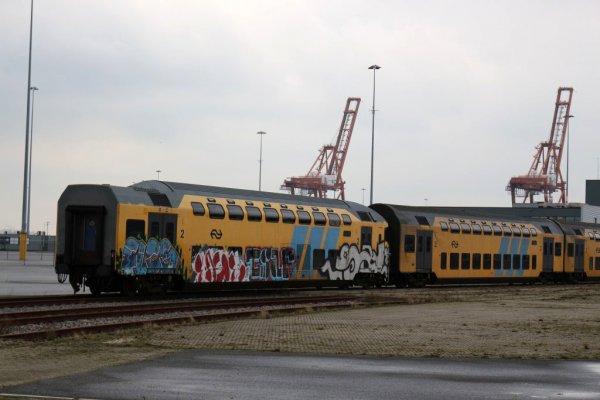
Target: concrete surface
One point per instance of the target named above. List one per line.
(233, 375)
(35, 276)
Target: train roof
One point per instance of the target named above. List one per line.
(425, 216)
(170, 194)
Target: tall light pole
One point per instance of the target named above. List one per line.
(374, 67)
(363, 191)
(25, 214)
(158, 171)
(261, 133)
(33, 90)
(568, 141)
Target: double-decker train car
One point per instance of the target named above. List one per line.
(158, 235)
(429, 244)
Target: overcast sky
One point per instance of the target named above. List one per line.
(465, 93)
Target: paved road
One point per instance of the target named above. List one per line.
(232, 375)
(34, 277)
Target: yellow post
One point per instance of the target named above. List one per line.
(22, 246)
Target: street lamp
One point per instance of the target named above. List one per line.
(261, 133)
(363, 191)
(25, 213)
(158, 171)
(374, 67)
(33, 89)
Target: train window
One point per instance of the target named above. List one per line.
(476, 229)
(578, 231)
(597, 263)
(216, 211)
(570, 249)
(249, 203)
(409, 243)
(466, 228)
(516, 261)
(332, 257)
(591, 263)
(597, 236)
(254, 213)
(197, 208)
(557, 249)
(318, 258)
(319, 218)
(271, 214)
(154, 229)
(346, 219)
(422, 220)
(347, 233)
(267, 204)
(534, 261)
(283, 206)
(288, 216)
(506, 261)
(235, 212)
(497, 261)
(170, 232)
(465, 261)
(533, 232)
(546, 229)
(229, 201)
(453, 260)
(591, 235)
(299, 208)
(487, 261)
(525, 232)
(487, 230)
(303, 217)
(516, 231)
(454, 228)
(525, 261)
(334, 219)
(443, 260)
(211, 200)
(365, 216)
(507, 231)
(476, 261)
(135, 228)
(444, 226)
(497, 230)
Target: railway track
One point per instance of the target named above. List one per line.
(51, 323)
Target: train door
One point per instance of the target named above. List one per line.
(366, 236)
(548, 261)
(84, 235)
(424, 255)
(579, 254)
(162, 226)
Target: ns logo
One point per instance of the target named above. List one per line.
(216, 234)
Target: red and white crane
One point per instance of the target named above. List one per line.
(325, 174)
(545, 176)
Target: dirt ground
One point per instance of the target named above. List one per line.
(516, 322)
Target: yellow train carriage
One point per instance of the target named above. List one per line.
(158, 234)
(428, 245)
(582, 241)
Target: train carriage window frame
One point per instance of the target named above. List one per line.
(443, 260)
(454, 261)
(487, 261)
(497, 230)
(334, 219)
(516, 231)
(526, 232)
(525, 261)
(516, 261)
(444, 226)
(507, 261)
(304, 217)
(591, 234)
(534, 261)
(497, 261)
(198, 208)
(487, 230)
(570, 249)
(476, 229)
(235, 212)
(546, 229)
(271, 214)
(597, 266)
(597, 235)
(465, 228)
(135, 228)
(476, 261)
(216, 211)
(591, 263)
(465, 261)
(454, 228)
(288, 216)
(533, 232)
(557, 249)
(254, 214)
(409, 243)
(319, 218)
(346, 219)
(506, 231)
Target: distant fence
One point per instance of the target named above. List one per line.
(10, 242)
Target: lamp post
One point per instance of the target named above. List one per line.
(568, 141)
(261, 133)
(33, 89)
(25, 214)
(374, 67)
(158, 171)
(363, 191)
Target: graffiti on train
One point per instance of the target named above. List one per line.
(351, 260)
(214, 264)
(149, 257)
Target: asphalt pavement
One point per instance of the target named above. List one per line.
(33, 277)
(235, 375)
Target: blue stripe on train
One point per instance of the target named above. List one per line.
(314, 242)
(331, 239)
(299, 241)
(514, 249)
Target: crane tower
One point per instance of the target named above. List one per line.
(545, 176)
(325, 174)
